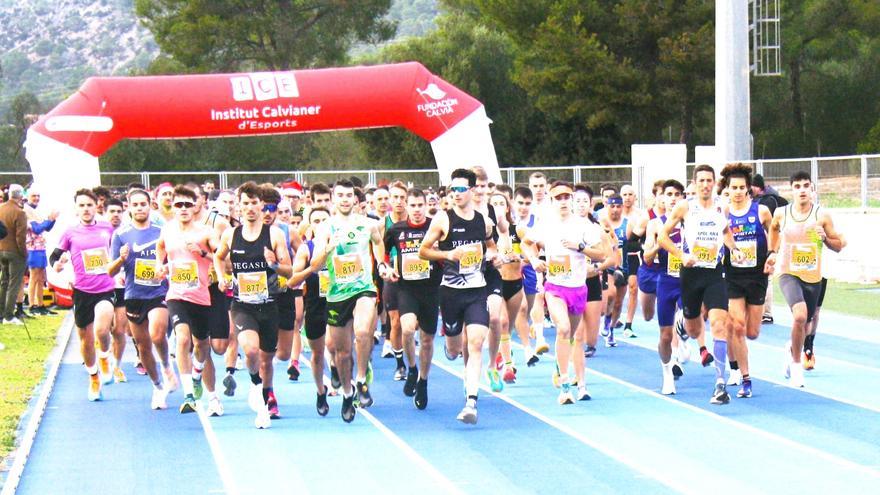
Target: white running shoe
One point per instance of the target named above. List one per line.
(565, 395)
(255, 398)
(387, 351)
(582, 393)
(797, 375)
(159, 399)
(263, 420)
(684, 352)
(787, 360)
(215, 407)
(468, 414)
(105, 371)
(668, 380)
(735, 378)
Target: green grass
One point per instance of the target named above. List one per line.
(834, 200)
(851, 299)
(22, 365)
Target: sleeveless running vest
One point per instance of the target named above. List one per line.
(350, 267)
(254, 282)
(801, 249)
(750, 238)
(667, 264)
(471, 235)
(704, 233)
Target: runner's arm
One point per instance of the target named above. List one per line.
(439, 225)
(220, 255)
(663, 238)
(301, 268)
(117, 254)
(833, 239)
(322, 249)
(651, 247)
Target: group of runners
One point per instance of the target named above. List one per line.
(251, 272)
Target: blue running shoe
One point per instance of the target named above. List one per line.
(746, 391)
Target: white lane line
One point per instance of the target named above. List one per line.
(442, 481)
(776, 381)
(659, 475)
(752, 429)
(23, 451)
(223, 467)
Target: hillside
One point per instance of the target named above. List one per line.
(48, 47)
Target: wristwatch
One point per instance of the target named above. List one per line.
(582, 246)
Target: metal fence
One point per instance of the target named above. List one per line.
(842, 181)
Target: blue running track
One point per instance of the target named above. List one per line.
(824, 438)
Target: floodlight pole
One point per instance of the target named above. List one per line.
(732, 111)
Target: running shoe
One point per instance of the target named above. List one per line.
(104, 370)
(188, 405)
(582, 393)
(590, 351)
(420, 399)
(215, 407)
(49, 311)
(159, 400)
(618, 324)
(606, 327)
(706, 357)
(533, 360)
(746, 391)
(499, 362)
(387, 351)
(364, 399)
(198, 389)
(677, 371)
(169, 379)
(229, 385)
(669, 378)
(334, 377)
(409, 387)
(12, 321)
(263, 420)
(767, 319)
(468, 414)
(449, 355)
(683, 352)
(629, 333)
(719, 396)
(321, 404)
(542, 347)
(348, 410)
(678, 325)
(509, 375)
(119, 375)
(293, 371)
(548, 323)
(377, 334)
(735, 378)
(809, 361)
(609, 340)
(786, 371)
(255, 397)
(369, 378)
(556, 379)
(797, 376)
(140, 369)
(400, 374)
(95, 393)
(495, 382)
(272, 405)
(565, 395)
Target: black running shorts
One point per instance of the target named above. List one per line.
(260, 318)
(461, 307)
(422, 302)
(341, 312)
(510, 288)
(84, 305)
(701, 286)
(751, 287)
(286, 310)
(137, 310)
(594, 288)
(218, 317)
(494, 283)
(195, 316)
(797, 291)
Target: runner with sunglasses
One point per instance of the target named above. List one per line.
(183, 254)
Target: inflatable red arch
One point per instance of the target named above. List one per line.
(64, 145)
